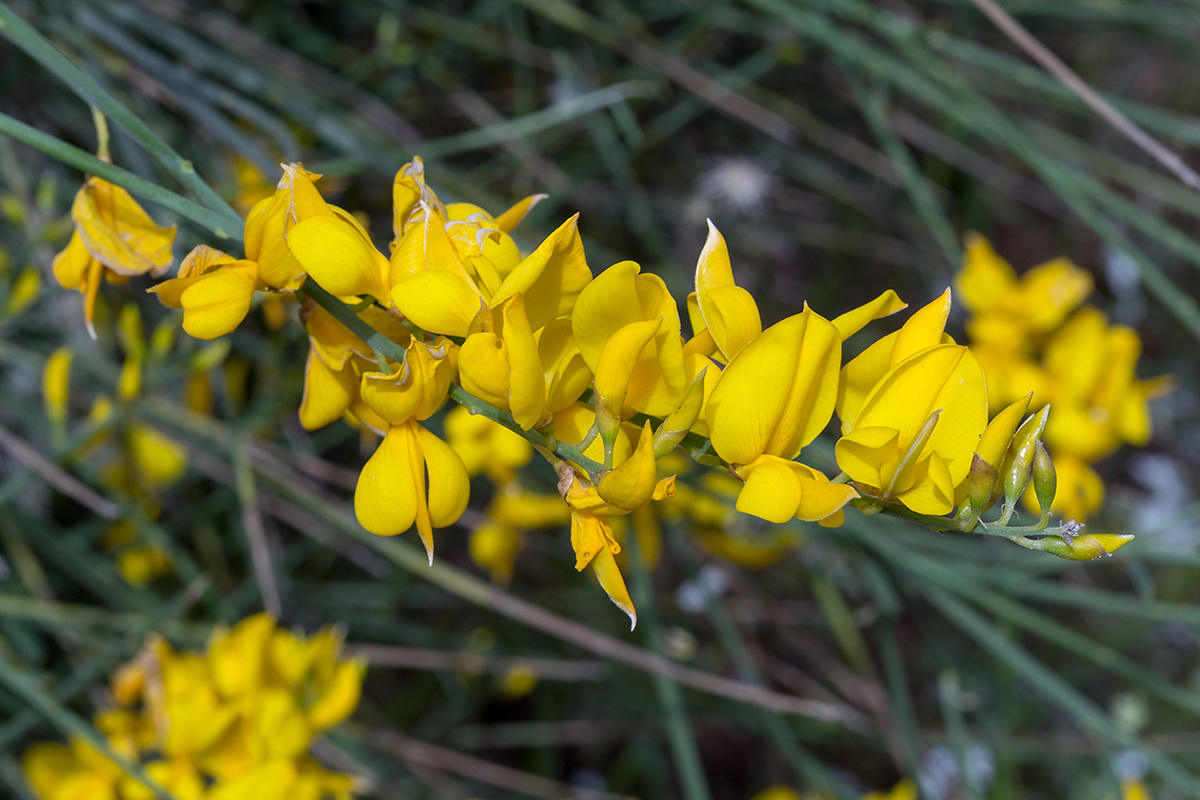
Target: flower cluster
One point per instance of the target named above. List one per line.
(233, 723)
(1035, 340)
(595, 373)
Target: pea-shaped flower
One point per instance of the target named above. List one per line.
(775, 396)
(913, 409)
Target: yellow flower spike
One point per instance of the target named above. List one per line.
(328, 393)
(340, 257)
(620, 297)
(56, 387)
(1084, 547)
(503, 365)
(270, 221)
(25, 290)
(392, 494)
(945, 378)
(728, 311)
(566, 374)
(778, 393)
(414, 391)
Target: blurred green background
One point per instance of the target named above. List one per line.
(842, 147)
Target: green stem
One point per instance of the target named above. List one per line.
(221, 225)
(23, 35)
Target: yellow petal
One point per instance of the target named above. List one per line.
(416, 390)
(999, 432)
(438, 301)
(856, 319)
(772, 490)
(986, 279)
(118, 232)
(327, 393)
(619, 359)
(923, 329)
(449, 486)
(933, 487)
(565, 372)
(605, 567)
(56, 384)
(728, 311)
(339, 258)
(551, 277)
(945, 377)
(338, 698)
(158, 459)
(385, 499)
(70, 265)
(820, 499)
(217, 303)
(1051, 291)
(513, 216)
(631, 484)
(778, 393)
(865, 451)
(527, 382)
(24, 291)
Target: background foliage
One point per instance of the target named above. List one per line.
(841, 146)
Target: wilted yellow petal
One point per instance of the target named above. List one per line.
(340, 258)
(118, 232)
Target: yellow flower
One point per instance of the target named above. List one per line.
(911, 433)
(719, 307)
(633, 484)
(775, 396)
(213, 289)
(114, 239)
(1007, 312)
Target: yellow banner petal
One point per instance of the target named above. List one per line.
(217, 303)
(551, 277)
(923, 329)
(438, 301)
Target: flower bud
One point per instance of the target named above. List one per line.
(1088, 547)
(680, 421)
(1045, 480)
(1020, 460)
